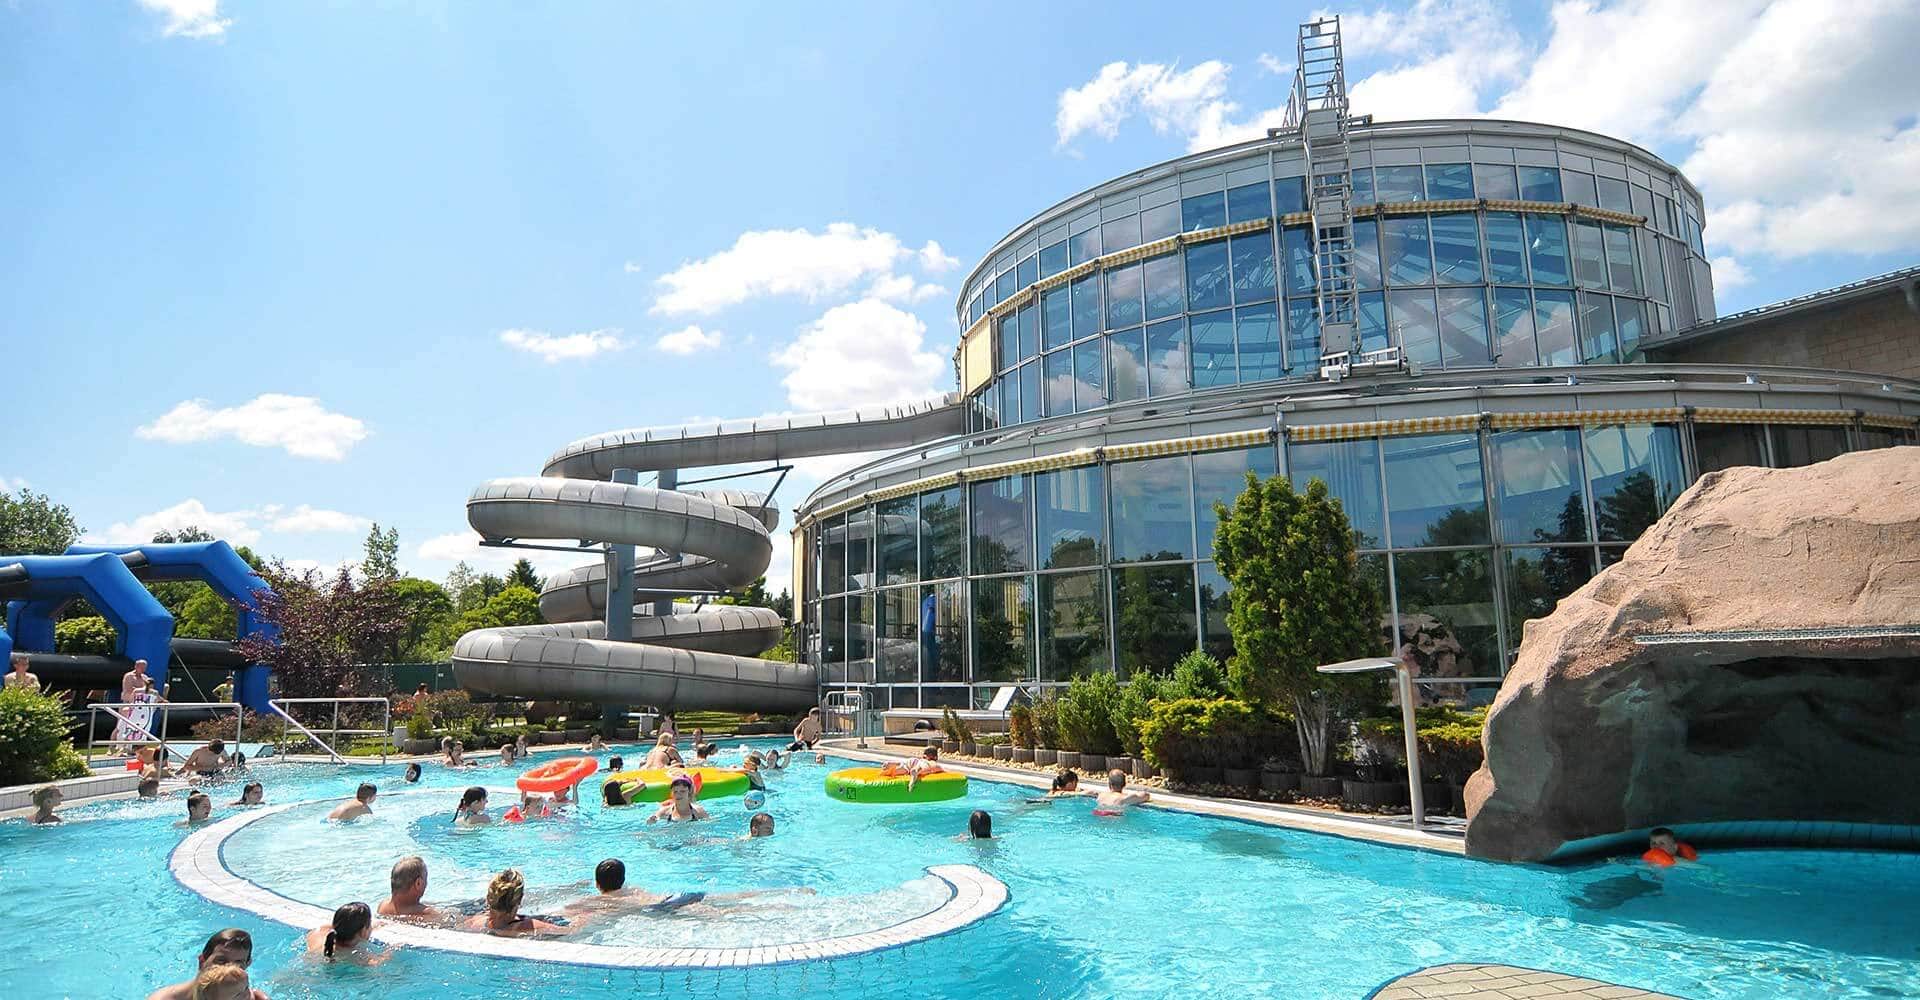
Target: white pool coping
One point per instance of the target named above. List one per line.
(973, 896)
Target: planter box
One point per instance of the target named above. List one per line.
(1122, 764)
(578, 735)
(1023, 755)
(410, 746)
(1093, 763)
(1280, 781)
(969, 748)
(1242, 777)
(1045, 757)
(626, 733)
(1068, 759)
(1002, 752)
(1199, 775)
(549, 738)
(1438, 796)
(1372, 794)
(1319, 788)
(1143, 769)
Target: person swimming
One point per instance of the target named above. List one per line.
(680, 806)
(1664, 849)
(507, 753)
(503, 917)
(252, 794)
(406, 884)
(980, 825)
(45, 800)
(472, 810)
(1116, 798)
(620, 793)
(346, 936)
(596, 745)
(199, 809)
(360, 805)
(761, 825)
(413, 773)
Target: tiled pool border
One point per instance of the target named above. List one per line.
(198, 864)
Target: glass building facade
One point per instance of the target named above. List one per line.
(1130, 355)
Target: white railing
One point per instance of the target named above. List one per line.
(160, 710)
(845, 713)
(279, 706)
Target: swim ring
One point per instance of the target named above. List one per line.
(708, 782)
(555, 775)
(867, 784)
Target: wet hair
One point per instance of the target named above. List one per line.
(506, 891)
(610, 874)
(1066, 781)
(616, 762)
(149, 787)
(231, 936)
(196, 799)
(406, 872)
(1116, 779)
(930, 752)
(413, 772)
(217, 746)
(1660, 831)
(472, 795)
(250, 787)
(216, 978)
(980, 825)
(761, 824)
(612, 794)
(367, 790)
(349, 921)
(44, 794)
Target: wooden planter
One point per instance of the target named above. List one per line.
(969, 748)
(626, 733)
(1023, 755)
(578, 735)
(1372, 794)
(1143, 769)
(1068, 759)
(1319, 788)
(1003, 752)
(1045, 757)
(1093, 763)
(1122, 764)
(412, 746)
(1241, 777)
(549, 738)
(1279, 781)
(1198, 775)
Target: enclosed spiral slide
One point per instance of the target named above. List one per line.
(703, 541)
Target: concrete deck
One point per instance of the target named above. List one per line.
(1504, 982)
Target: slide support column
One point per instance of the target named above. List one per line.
(619, 600)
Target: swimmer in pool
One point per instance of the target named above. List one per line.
(761, 825)
(361, 805)
(407, 883)
(231, 948)
(1116, 798)
(664, 753)
(703, 755)
(621, 793)
(222, 982)
(199, 809)
(503, 917)
(45, 800)
(755, 779)
(596, 745)
(774, 761)
(979, 826)
(927, 763)
(679, 806)
(347, 936)
(1664, 849)
(473, 808)
(412, 776)
(253, 794)
(611, 892)
(506, 754)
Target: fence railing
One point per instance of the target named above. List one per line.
(138, 723)
(279, 706)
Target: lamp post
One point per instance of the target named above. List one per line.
(1407, 722)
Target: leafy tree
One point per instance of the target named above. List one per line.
(753, 595)
(522, 575)
(1154, 615)
(458, 580)
(512, 606)
(32, 524)
(476, 591)
(1298, 600)
(190, 533)
(205, 616)
(428, 613)
(783, 605)
(382, 559)
(33, 739)
(89, 636)
(327, 626)
(1631, 509)
(1197, 675)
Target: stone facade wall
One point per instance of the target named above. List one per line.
(1880, 334)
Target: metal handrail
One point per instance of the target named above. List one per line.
(386, 715)
(162, 708)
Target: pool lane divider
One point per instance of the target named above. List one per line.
(198, 864)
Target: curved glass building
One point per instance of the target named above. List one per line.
(1129, 354)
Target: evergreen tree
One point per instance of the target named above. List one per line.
(382, 560)
(522, 575)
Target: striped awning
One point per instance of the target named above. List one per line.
(1141, 252)
(1889, 421)
(1181, 446)
(899, 490)
(1609, 215)
(1750, 415)
(1582, 418)
(1382, 428)
(1064, 460)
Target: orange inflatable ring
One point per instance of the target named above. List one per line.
(555, 775)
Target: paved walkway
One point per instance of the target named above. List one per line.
(1504, 982)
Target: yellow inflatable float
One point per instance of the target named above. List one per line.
(708, 782)
(871, 784)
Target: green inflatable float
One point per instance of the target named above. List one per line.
(869, 784)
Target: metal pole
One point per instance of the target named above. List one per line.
(1408, 723)
(620, 595)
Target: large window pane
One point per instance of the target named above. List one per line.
(1028, 272)
(1366, 253)
(1029, 317)
(1053, 259)
(1456, 249)
(1434, 492)
(1446, 612)
(1127, 365)
(1009, 342)
(1724, 446)
(833, 637)
(1506, 249)
(1597, 344)
(1655, 272)
(1249, 201)
(1119, 234)
(1290, 195)
(1495, 180)
(1553, 326)
(1086, 306)
(1159, 222)
(1351, 470)
(896, 636)
(1614, 196)
(1540, 184)
(1449, 180)
(1547, 249)
(1215, 638)
(943, 631)
(1059, 383)
(1797, 446)
(1370, 322)
(1073, 625)
(1296, 245)
(1056, 317)
(1303, 337)
(1153, 616)
(1123, 296)
(1203, 211)
(1253, 270)
(1621, 269)
(1406, 250)
(860, 549)
(1220, 477)
(1636, 475)
(1536, 581)
(1513, 328)
(1539, 479)
(1009, 389)
(1089, 375)
(833, 555)
(1578, 188)
(1085, 246)
(1363, 186)
(1463, 327)
(1070, 509)
(1167, 358)
(860, 638)
(1000, 539)
(1002, 629)
(1152, 509)
(1259, 336)
(1400, 183)
(1003, 286)
(1209, 286)
(1030, 390)
(1416, 324)
(1213, 355)
(1589, 256)
(1165, 290)
(899, 554)
(1630, 322)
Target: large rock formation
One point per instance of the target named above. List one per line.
(1593, 733)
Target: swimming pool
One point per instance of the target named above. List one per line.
(1147, 905)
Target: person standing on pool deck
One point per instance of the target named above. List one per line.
(408, 883)
(503, 917)
(362, 804)
(232, 946)
(807, 733)
(679, 806)
(223, 691)
(1116, 798)
(20, 676)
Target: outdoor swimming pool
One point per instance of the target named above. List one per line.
(1142, 906)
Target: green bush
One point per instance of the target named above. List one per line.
(1449, 738)
(1086, 715)
(1046, 722)
(451, 709)
(955, 728)
(1213, 732)
(33, 739)
(90, 636)
(1020, 726)
(1198, 675)
(419, 726)
(1135, 705)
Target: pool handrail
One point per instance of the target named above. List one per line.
(161, 708)
(386, 730)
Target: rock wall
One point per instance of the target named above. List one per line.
(1593, 734)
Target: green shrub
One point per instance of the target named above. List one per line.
(1046, 722)
(33, 739)
(1197, 675)
(1213, 732)
(955, 728)
(1449, 738)
(1020, 726)
(258, 728)
(1134, 706)
(419, 726)
(89, 636)
(1086, 715)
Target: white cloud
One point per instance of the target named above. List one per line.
(555, 348)
(8, 484)
(632, 267)
(464, 546)
(237, 527)
(779, 262)
(190, 18)
(863, 353)
(691, 340)
(306, 519)
(934, 259)
(1271, 63)
(903, 289)
(1190, 103)
(1729, 273)
(298, 424)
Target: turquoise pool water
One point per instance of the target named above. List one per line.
(1149, 905)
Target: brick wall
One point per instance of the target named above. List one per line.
(1880, 334)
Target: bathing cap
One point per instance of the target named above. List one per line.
(754, 800)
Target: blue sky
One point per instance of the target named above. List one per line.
(281, 269)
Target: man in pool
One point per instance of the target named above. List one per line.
(1116, 798)
(229, 947)
(361, 804)
(408, 883)
(761, 825)
(149, 788)
(209, 759)
(807, 733)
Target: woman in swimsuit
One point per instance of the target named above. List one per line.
(503, 917)
(679, 806)
(346, 936)
(664, 753)
(473, 808)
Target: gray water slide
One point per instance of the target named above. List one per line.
(703, 540)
